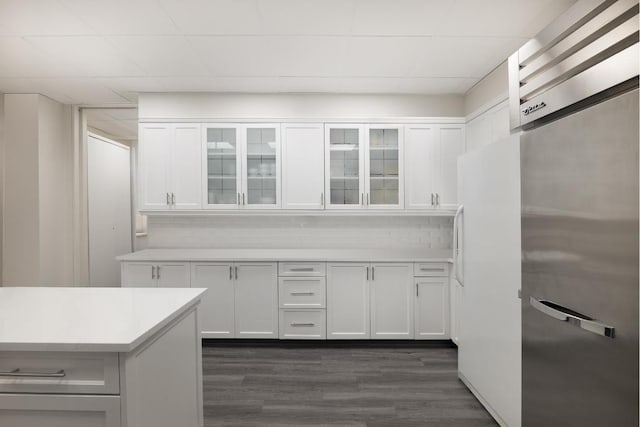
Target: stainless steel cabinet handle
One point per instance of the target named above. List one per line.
(236, 273)
(173, 199)
(243, 198)
(373, 273)
(432, 200)
(572, 317)
(19, 373)
(153, 272)
(168, 199)
(302, 269)
(437, 199)
(158, 272)
(301, 293)
(367, 199)
(417, 290)
(367, 273)
(303, 324)
(431, 269)
(230, 273)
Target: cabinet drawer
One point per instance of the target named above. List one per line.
(66, 373)
(302, 292)
(301, 269)
(433, 269)
(303, 324)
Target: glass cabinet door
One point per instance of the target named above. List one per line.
(384, 187)
(345, 166)
(262, 167)
(222, 166)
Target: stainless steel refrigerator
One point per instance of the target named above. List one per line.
(579, 217)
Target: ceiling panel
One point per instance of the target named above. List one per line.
(399, 17)
(435, 85)
(236, 56)
(161, 55)
(85, 56)
(327, 17)
(500, 18)
(214, 16)
(382, 56)
(39, 17)
(123, 17)
(471, 57)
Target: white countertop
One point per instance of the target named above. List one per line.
(334, 255)
(87, 319)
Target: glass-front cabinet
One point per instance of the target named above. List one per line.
(242, 166)
(364, 166)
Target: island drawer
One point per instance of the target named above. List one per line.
(303, 324)
(302, 269)
(59, 372)
(433, 269)
(302, 292)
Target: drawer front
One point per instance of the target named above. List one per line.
(302, 292)
(433, 269)
(65, 373)
(303, 324)
(302, 269)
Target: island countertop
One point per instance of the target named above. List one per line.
(305, 255)
(87, 319)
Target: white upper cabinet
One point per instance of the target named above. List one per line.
(364, 166)
(170, 166)
(431, 156)
(344, 173)
(303, 166)
(384, 166)
(242, 164)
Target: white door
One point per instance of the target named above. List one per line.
(173, 275)
(419, 177)
(384, 163)
(450, 147)
(391, 301)
(216, 310)
(154, 166)
(344, 166)
(221, 166)
(256, 300)
(348, 301)
(109, 190)
(432, 308)
(261, 166)
(303, 166)
(186, 164)
(138, 275)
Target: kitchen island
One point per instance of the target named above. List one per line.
(109, 357)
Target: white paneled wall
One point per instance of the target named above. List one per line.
(488, 127)
(375, 232)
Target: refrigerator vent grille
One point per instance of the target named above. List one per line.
(590, 48)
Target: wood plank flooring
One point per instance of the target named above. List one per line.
(283, 385)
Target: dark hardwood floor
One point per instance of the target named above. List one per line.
(281, 384)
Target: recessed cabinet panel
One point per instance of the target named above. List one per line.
(420, 143)
(256, 300)
(222, 167)
(138, 275)
(347, 301)
(303, 166)
(186, 170)
(452, 146)
(431, 314)
(154, 166)
(391, 301)
(173, 275)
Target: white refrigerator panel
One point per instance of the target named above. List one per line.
(489, 351)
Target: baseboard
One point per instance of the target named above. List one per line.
(229, 342)
(481, 399)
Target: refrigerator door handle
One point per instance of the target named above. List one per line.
(574, 318)
(456, 245)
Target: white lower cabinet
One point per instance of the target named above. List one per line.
(348, 301)
(391, 297)
(242, 300)
(161, 275)
(431, 308)
(217, 309)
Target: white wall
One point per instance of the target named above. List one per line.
(304, 106)
(300, 232)
(37, 226)
(1, 174)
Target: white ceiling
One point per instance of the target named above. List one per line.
(119, 124)
(106, 51)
